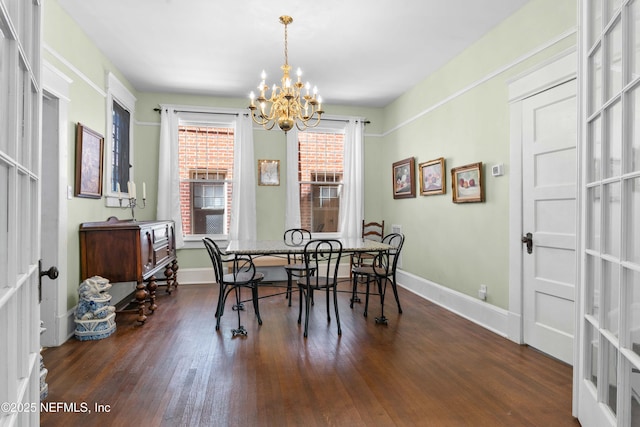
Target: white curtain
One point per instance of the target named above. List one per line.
(352, 198)
(168, 173)
(243, 202)
(292, 209)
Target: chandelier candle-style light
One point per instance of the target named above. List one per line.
(289, 104)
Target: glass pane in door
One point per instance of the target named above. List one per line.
(611, 373)
(595, 81)
(594, 286)
(4, 224)
(632, 235)
(614, 52)
(593, 217)
(634, 39)
(633, 146)
(595, 24)
(591, 372)
(634, 374)
(632, 300)
(611, 296)
(611, 233)
(613, 166)
(595, 150)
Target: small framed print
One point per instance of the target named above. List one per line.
(404, 178)
(89, 152)
(432, 177)
(268, 172)
(466, 182)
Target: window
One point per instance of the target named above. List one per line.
(320, 171)
(119, 150)
(206, 173)
(208, 202)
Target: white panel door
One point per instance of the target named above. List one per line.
(549, 214)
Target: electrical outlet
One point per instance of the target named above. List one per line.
(482, 293)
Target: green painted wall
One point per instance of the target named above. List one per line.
(458, 246)
(461, 246)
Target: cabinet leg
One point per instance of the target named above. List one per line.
(151, 287)
(141, 297)
(174, 267)
(168, 274)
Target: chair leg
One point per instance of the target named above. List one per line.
(354, 293)
(382, 290)
(306, 317)
(240, 330)
(300, 291)
(256, 308)
(335, 304)
(395, 293)
(220, 307)
(288, 293)
(328, 309)
(366, 299)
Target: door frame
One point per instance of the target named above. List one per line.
(555, 71)
(57, 85)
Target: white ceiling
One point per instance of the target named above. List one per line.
(358, 52)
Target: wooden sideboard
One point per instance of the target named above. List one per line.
(131, 251)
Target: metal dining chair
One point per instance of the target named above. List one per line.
(321, 260)
(243, 275)
(295, 267)
(382, 271)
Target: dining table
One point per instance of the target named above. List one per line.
(279, 248)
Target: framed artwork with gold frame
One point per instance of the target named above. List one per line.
(466, 182)
(89, 154)
(268, 172)
(404, 178)
(432, 177)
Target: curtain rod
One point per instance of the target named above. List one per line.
(202, 112)
(366, 122)
(158, 110)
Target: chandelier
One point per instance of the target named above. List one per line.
(291, 103)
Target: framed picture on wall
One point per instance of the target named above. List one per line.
(466, 182)
(432, 177)
(89, 153)
(268, 172)
(404, 178)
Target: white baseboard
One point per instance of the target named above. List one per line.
(486, 315)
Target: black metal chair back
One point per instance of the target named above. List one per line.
(322, 261)
(382, 270)
(295, 263)
(243, 274)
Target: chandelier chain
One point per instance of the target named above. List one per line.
(286, 42)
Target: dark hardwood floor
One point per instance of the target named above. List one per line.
(428, 367)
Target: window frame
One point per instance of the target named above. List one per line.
(332, 127)
(216, 120)
(117, 92)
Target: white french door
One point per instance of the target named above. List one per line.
(20, 112)
(609, 383)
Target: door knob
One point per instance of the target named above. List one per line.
(51, 273)
(528, 239)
